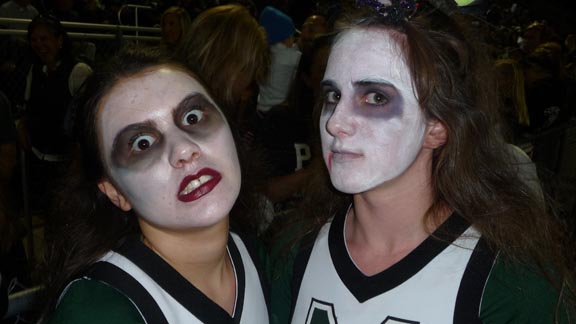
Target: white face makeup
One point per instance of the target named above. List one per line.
(372, 127)
(169, 150)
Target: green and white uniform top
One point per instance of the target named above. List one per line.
(135, 285)
(451, 277)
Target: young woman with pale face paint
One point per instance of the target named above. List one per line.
(169, 151)
(371, 125)
(168, 158)
(428, 221)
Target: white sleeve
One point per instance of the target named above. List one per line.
(79, 74)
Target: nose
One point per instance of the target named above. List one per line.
(183, 151)
(340, 123)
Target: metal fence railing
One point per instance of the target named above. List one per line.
(97, 31)
(92, 42)
(95, 43)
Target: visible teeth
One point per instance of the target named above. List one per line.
(195, 184)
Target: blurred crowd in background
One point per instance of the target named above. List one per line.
(532, 44)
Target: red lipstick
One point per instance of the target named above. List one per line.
(197, 185)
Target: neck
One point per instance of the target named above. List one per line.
(200, 256)
(388, 222)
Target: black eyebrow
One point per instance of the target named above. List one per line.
(372, 82)
(191, 100)
(328, 83)
(185, 102)
(359, 83)
(132, 128)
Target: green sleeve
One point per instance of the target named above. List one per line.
(519, 294)
(93, 302)
(280, 269)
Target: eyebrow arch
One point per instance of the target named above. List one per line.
(359, 83)
(328, 84)
(185, 102)
(145, 125)
(372, 82)
(190, 100)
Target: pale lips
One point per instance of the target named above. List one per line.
(344, 156)
(341, 156)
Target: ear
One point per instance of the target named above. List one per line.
(436, 135)
(114, 195)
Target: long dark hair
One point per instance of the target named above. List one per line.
(87, 224)
(472, 173)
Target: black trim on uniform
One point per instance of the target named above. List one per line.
(311, 310)
(299, 267)
(240, 276)
(398, 320)
(253, 250)
(364, 287)
(181, 289)
(467, 309)
(129, 287)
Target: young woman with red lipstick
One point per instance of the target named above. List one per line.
(144, 236)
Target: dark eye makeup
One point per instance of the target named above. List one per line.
(195, 114)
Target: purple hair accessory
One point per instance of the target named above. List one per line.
(393, 11)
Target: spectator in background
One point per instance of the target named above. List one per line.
(21, 9)
(313, 26)
(285, 58)
(287, 131)
(547, 87)
(174, 24)
(54, 78)
(227, 48)
(511, 87)
(536, 33)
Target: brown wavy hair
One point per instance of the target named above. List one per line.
(472, 173)
(183, 19)
(86, 224)
(224, 44)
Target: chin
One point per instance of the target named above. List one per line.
(349, 188)
(209, 222)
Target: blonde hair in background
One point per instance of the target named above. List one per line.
(515, 88)
(225, 45)
(183, 19)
